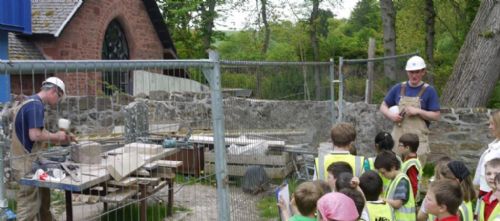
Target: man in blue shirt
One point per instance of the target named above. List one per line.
(411, 105)
(27, 139)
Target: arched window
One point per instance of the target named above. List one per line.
(115, 47)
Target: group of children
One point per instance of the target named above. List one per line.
(388, 186)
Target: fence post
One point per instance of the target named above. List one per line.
(341, 89)
(332, 89)
(214, 76)
(370, 71)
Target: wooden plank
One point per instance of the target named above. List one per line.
(121, 166)
(143, 148)
(108, 189)
(129, 181)
(119, 196)
(169, 163)
(272, 160)
(238, 170)
(157, 187)
(234, 140)
(150, 166)
(142, 172)
(151, 180)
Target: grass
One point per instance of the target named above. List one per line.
(267, 205)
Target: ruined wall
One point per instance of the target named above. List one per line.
(462, 133)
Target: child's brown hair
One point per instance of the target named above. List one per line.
(371, 184)
(357, 197)
(323, 185)
(387, 160)
(343, 134)
(447, 193)
(410, 140)
(336, 168)
(306, 195)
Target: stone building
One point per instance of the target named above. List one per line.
(90, 30)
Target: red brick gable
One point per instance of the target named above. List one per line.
(82, 38)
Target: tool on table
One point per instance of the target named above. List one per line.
(171, 142)
(63, 125)
(70, 172)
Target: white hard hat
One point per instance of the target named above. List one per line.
(394, 109)
(415, 63)
(57, 82)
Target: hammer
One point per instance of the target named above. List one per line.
(63, 125)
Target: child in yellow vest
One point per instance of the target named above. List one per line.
(343, 136)
(408, 146)
(487, 207)
(375, 208)
(399, 195)
(443, 199)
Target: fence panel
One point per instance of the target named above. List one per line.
(355, 78)
(133, 150)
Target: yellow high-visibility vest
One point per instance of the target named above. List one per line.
(379, 211)
(407, 210)
(407, 165)
(322, 163)
(495, 214)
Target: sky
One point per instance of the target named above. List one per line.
(241, 17)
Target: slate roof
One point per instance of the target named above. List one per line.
(21, 48)
(50, 16)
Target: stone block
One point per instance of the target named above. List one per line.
(86, 103)
(103, 103)
(457, 136)
(474, 118)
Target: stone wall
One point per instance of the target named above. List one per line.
(461, 134)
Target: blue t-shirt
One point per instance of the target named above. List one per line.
(429, 100)
(29, 116)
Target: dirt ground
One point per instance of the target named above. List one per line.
(200, 202)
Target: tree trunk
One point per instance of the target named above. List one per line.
(388, 15)
(477, 68)
(430, 20)
(313, 34)
(208, 17)
(267, 32)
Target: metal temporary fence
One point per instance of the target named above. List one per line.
(222, 144)
(357, 84)
(103, 113)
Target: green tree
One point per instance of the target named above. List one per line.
(191, 24)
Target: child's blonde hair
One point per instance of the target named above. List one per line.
(439, 163)
(465, 182)
(495, 162)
